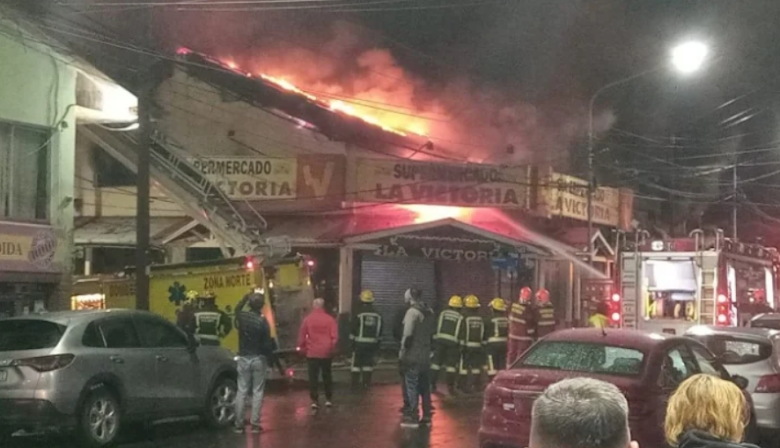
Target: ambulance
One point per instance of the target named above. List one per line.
(285, 282)
(668, 286)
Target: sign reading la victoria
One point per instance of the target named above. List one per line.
(467, 185)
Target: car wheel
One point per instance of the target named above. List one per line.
(100, 419)
(220, 406)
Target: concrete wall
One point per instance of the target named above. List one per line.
(38, 88)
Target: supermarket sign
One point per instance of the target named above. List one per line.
(567, 196)
(313, 177)
(468, 185)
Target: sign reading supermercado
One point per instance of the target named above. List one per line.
(251, 178)
(443, 184)
(567, 196)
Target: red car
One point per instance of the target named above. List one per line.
(646, 367)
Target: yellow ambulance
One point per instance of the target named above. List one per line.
(285, 282)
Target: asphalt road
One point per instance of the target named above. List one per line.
(365, 420)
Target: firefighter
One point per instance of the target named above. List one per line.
(598, 318)
(185, 317)
(211, 324)
(447, 344)
(544, 314)
(472, 334)
(365, 336)
(521, 329)
(496, 332)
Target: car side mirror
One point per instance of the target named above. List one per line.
(192, 343)
(740, 381)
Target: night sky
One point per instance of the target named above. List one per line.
(660, 130)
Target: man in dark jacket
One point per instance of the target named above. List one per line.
(255, 348)
(415, 356)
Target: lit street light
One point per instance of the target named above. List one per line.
(686, 58)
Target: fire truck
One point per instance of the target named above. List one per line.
(285, 281)
(667, 286)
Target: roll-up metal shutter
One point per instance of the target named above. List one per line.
(467, 278)
(389, 278)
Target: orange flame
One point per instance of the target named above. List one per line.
(416, 127)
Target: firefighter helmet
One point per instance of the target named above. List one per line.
(471, 301)
(367, 296)
(498, 304)
(456, 302)
(192, 295)
(525, 294)
(542, 296)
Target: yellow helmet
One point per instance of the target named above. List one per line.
(192, 295)
(456, 302)
(367, 296)
(471, 301)
(498, 304)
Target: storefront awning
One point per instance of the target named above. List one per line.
(120, 230)
(450, 229)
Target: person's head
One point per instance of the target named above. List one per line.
(542, 296)
(318, 304)
(412, 296)
(256, 302)
(708, 404)
(580, 413)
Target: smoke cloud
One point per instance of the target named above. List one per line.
(342, 61)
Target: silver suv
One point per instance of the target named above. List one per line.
(95, 371)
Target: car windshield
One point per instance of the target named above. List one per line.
(584, 357)
(29, 334)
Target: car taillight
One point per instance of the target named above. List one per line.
(44, 363)
(768, 384)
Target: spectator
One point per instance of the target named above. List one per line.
(398, 335)
(317, 341)
(706, 412)
(415, 356)
(581, 413)
(255, 348)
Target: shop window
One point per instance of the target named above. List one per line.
(24, 172)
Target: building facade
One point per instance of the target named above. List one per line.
(37, 141)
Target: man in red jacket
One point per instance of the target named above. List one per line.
(317, 341)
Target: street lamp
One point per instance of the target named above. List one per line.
(686, 58)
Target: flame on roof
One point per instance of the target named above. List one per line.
(334, 105)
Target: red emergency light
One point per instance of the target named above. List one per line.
(722, 310)
(249, 264)
(614, 307)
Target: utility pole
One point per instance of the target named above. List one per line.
(672, 185)
(145, 92)
(734, 203)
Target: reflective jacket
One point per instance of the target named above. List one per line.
(448, 326)
(598, 320)
(472, 332)
(366, 326)
(207, 325)
(545, 319)
(521, 321)
(496, 331)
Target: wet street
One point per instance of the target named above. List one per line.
(356, 421)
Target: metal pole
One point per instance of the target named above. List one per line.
(142, 197)
(590, 176)
(734, 202)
